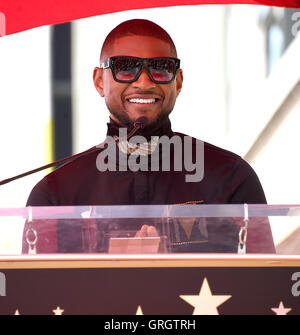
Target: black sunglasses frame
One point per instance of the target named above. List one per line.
(110, 63)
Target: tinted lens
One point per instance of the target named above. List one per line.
(162, 70)
(126, 69)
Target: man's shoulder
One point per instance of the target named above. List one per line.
(211, 149)
(235, 177)
(72, 168)
(220, 160)
(68, 177)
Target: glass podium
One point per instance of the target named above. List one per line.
(150, 259)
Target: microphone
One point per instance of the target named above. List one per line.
(138, 124)
(142, 121)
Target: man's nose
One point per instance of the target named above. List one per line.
(144, 81)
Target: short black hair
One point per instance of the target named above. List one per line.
(137, 27)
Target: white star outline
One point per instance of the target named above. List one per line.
(205, 302)
(58, 311)
(281, 310)
(139, 311)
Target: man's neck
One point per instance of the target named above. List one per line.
(161, 128)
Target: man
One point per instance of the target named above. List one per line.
(140, 78)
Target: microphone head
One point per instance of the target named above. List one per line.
(141, 121)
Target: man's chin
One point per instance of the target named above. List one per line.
(153, 124)
(150, 121)
(121, 120)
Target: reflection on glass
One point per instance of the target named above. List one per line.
(151, 229)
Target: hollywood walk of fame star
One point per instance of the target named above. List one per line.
(281, 310)
(58, 311)
(205, 303)
(139, 311)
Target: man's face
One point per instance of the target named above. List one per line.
(118, 95)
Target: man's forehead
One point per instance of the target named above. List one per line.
(139, 46)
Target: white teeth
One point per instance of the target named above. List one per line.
(142, 101)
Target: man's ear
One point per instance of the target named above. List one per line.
(179, 80)
(98, 80)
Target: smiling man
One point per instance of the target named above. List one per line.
(152, 87)
(140, 78)
(141, 93)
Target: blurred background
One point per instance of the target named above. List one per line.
(241, 91)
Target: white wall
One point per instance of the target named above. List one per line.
(246, 68)
(24, 123)
(275, 152)
(24, 110)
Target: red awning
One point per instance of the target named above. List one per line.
(19, 15)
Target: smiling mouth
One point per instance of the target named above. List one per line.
(142, 101)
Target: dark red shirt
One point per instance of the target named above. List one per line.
(227, 179)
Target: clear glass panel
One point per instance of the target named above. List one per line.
(151, 229)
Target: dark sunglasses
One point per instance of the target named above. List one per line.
(125, 69)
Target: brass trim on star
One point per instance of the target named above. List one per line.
(65, 261)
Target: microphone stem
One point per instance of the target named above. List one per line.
(5, 181)
(137, 125)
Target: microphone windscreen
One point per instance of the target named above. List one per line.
(142, 121)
